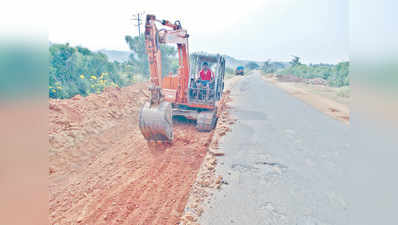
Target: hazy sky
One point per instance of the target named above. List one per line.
(316, 30)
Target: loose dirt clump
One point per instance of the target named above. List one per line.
(288, 78)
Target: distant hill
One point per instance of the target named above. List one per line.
(232, 63)
(115, 55)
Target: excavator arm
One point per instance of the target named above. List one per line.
(154, 58)
(156, 115)
(153, 38)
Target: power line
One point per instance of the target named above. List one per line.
(139, 18)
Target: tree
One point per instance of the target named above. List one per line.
(268, 67)
(77, 70)
(169, 59)
(336, 75)
(340, 77)
(295, 61)
(139, 58)
(252, 66)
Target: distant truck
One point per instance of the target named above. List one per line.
(239, 70)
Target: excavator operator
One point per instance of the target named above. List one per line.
(206, 75)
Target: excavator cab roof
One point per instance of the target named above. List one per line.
(210, 58)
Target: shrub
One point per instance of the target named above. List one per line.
(336, 75)
(77, 70)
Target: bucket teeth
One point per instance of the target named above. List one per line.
(156, 123)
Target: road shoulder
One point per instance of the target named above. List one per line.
(317, 96)
(207, 179)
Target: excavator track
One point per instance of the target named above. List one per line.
(206, 120)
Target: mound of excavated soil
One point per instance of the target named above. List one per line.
(288, 78)
(103, 172)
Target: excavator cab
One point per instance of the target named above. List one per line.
(206, 94)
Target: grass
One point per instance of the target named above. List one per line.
(344, 92)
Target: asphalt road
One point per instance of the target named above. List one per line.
(284, 162)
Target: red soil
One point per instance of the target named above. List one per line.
(103, 172)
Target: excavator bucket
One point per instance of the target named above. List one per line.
(155, 122)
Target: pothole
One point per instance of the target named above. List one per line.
(243, 168)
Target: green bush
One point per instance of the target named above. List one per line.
(336, 75)
(77, 70)
(344, 92)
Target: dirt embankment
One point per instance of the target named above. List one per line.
(103, 172)
(321, 97)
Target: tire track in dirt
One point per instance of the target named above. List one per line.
(145, 188)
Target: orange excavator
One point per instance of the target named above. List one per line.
(182, 94)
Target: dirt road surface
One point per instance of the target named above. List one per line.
(283, 163)
(103, 172)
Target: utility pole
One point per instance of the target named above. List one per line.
(138, 17)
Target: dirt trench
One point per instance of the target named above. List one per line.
(102, 170)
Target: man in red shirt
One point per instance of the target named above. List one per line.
(206, 75)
